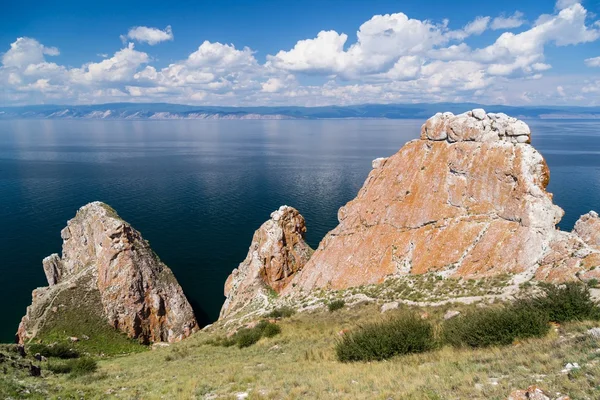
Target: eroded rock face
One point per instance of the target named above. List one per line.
(104, 258)
(466, 199)
(278, 251)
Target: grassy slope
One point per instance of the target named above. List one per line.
(300, 363)
(81, 315)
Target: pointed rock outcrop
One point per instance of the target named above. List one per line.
(466, 199)
(109, 272)
(278, 251)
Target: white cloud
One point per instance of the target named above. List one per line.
(148, 35)
(25, 51)
(393, 59)
(562, 4)
(592, 62)
(514, 21)
(118, 68)
(478, 26)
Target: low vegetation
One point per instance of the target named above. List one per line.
(336, 305)
(281, 312)
(246, 337)
(495, 326)
(569, 302)
(404, 334)
(301, 361)
(75, 367)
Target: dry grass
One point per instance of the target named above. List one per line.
(300, 363)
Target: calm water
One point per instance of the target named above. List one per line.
(197, 190)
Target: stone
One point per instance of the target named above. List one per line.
(108, 271)
(468, 199)
(594, 332)
(531, 393)
(479, 113)
(277, 252)
(389, 306)
(451, 314)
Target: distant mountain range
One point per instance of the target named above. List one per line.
(165, 111)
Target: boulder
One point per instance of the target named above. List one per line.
(108, 271)
(451, 314)
(389, 306)
(277, 252)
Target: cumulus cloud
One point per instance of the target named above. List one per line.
(592, 62)
(562, 4)
(25, 51)
(511, 22)
(394, 58)
(148, 35)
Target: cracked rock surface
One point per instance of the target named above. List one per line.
(105, 258)
(467, 199)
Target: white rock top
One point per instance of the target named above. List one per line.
(277, 214)
(475, 125)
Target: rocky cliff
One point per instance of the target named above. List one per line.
(109, 272)
(277, 252)
(466, 199)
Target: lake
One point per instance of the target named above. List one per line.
(197, 190)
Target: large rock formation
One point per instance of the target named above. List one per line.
(107, 270)
(277, 252)
(466, 199)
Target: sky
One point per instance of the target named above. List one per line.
(303, 53)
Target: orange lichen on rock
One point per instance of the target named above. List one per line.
(466, 199)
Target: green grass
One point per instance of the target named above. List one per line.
(80, 317)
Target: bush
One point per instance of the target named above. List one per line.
(405, 334)
(75, 367)
(568, 302)
(496, 326)
(281, 312)
(336, 305)
(58, 350)
(247, 337)
(83, 366)
(269, 329)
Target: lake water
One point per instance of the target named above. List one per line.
(197, 190)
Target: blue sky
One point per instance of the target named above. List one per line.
(300, 53)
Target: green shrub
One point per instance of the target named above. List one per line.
(567, 302)
(247, 337)
(281, 312)
(593, 283)
(83, 366)
(496, 326)
(269, 329)
(75, 367)
(336, 305)
(404, 334)
(57, 350)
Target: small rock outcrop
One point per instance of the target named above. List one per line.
(278, 251)
(467, 199)
(108, 271)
